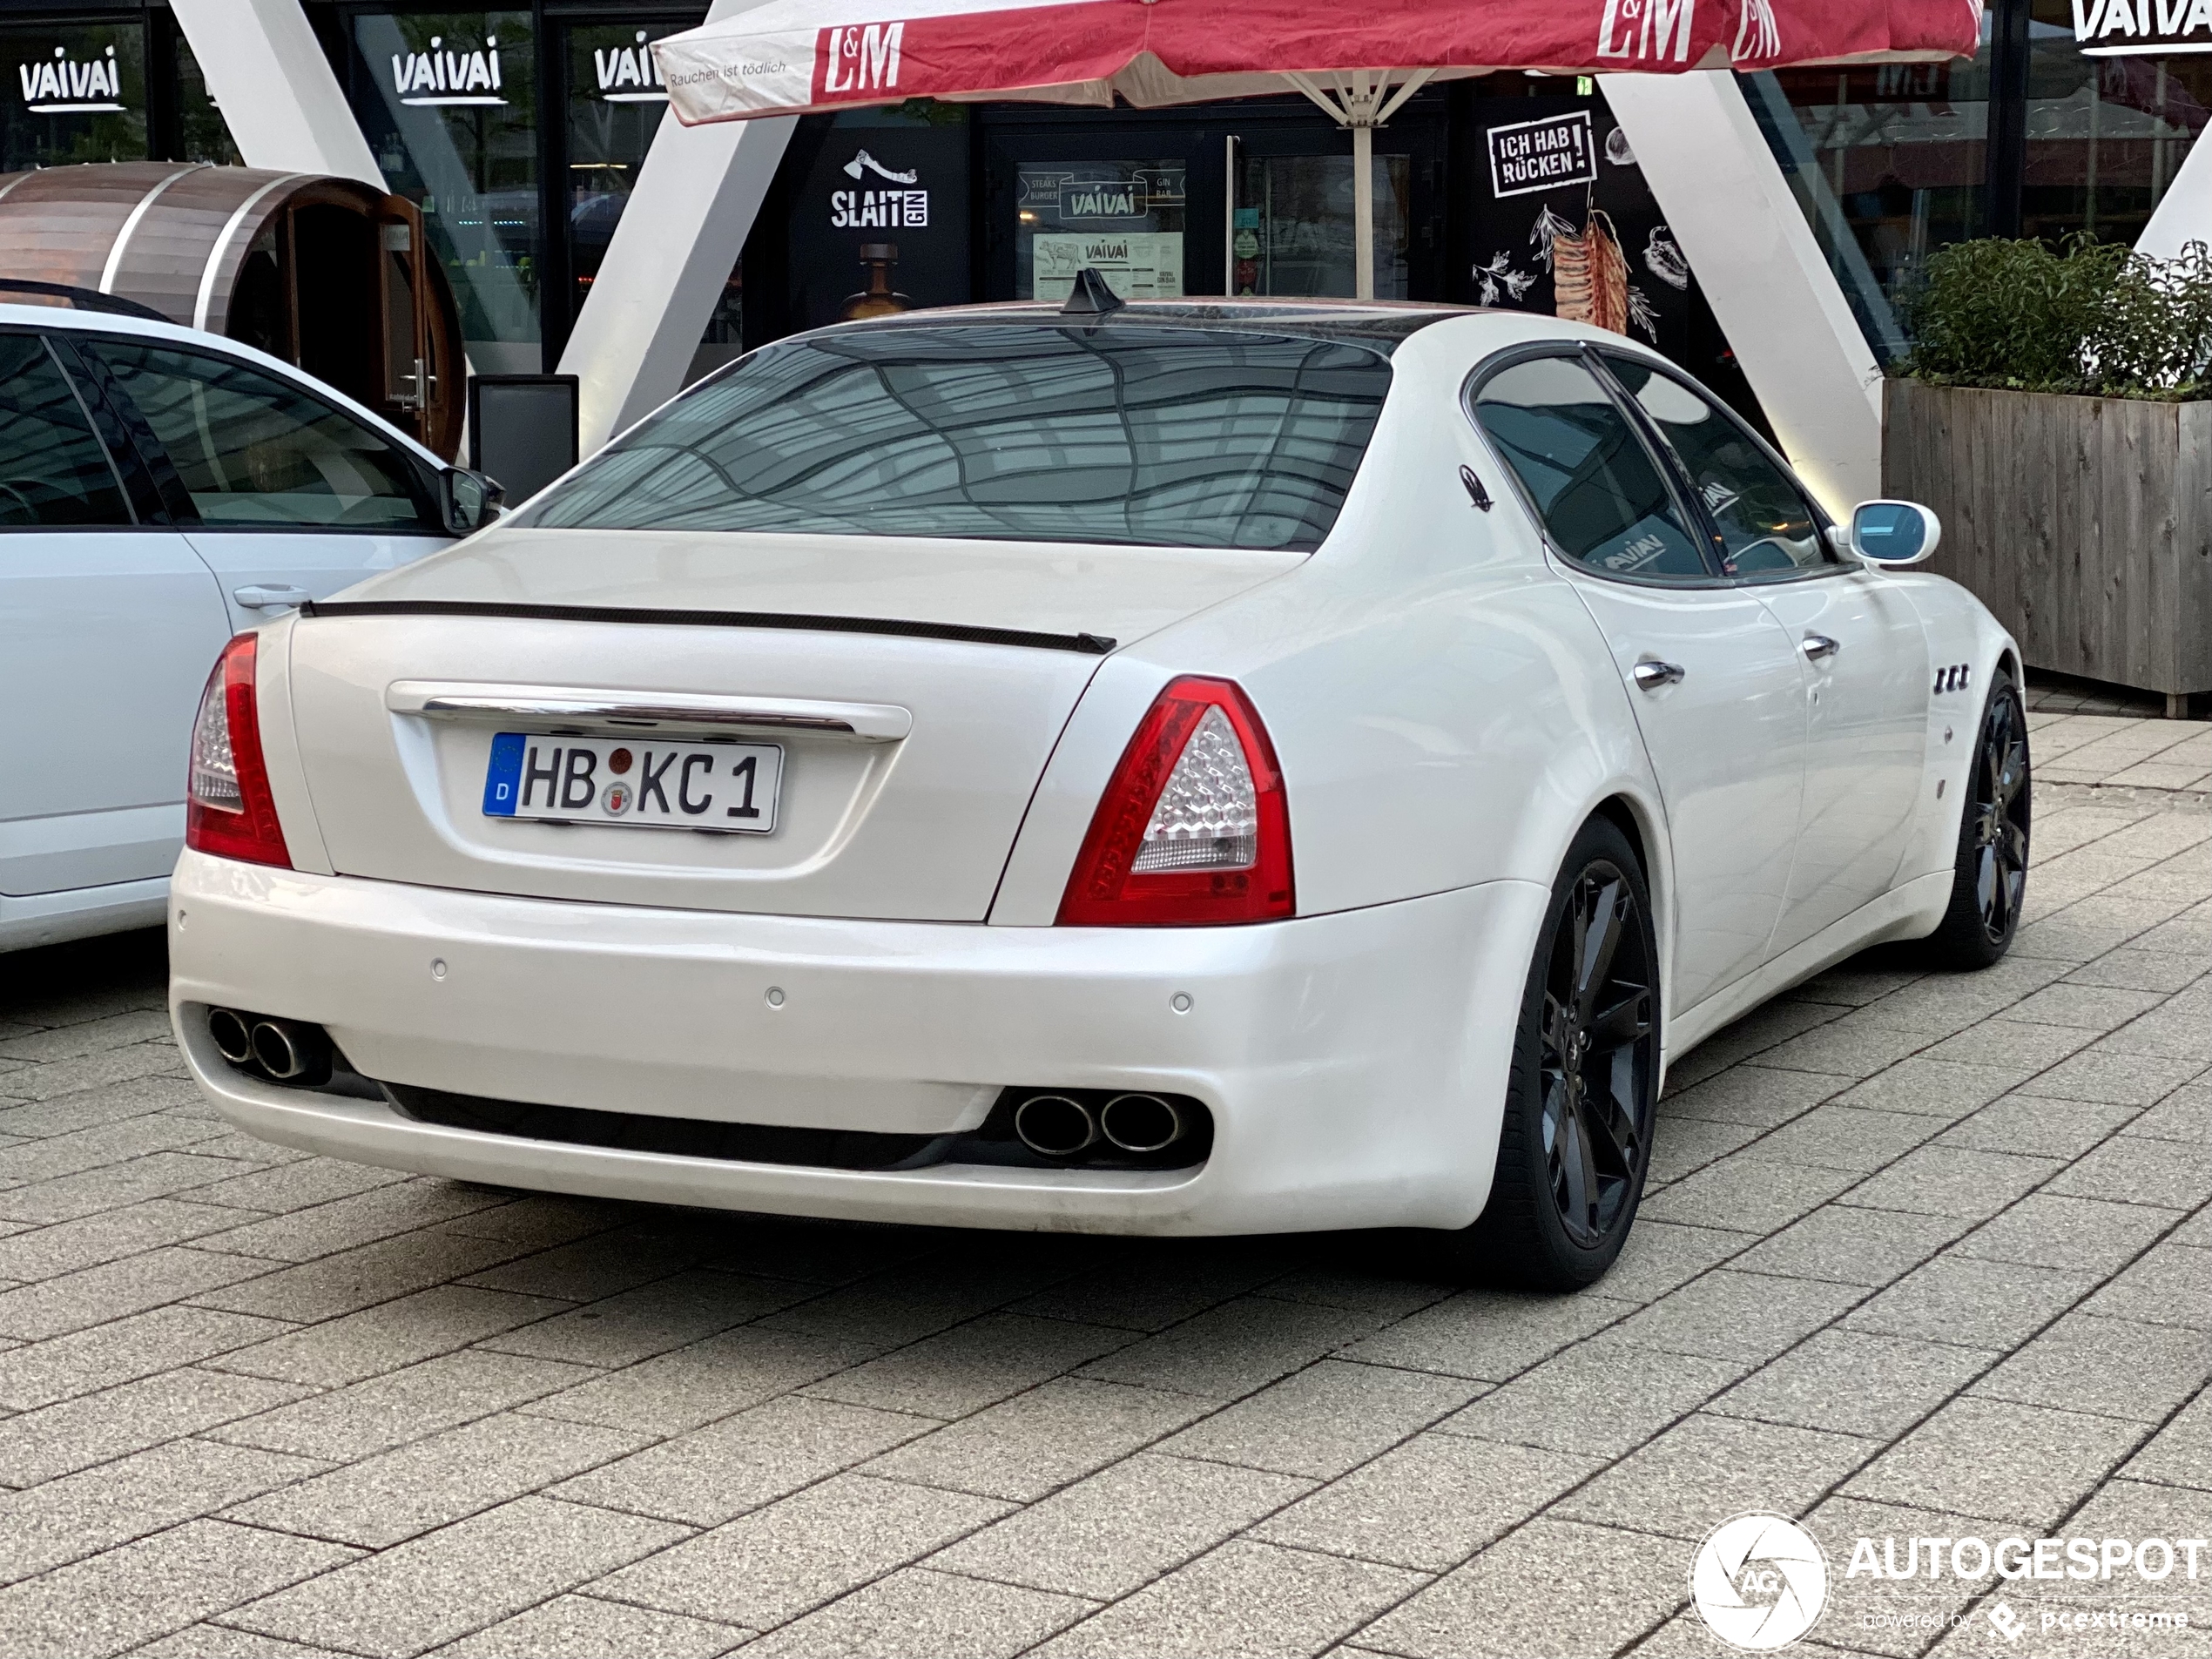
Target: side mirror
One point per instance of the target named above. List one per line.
(469, 499)
(1894, 533)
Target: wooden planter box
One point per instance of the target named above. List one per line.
(2085, 523)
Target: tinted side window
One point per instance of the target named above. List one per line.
(1765, 527)
(253, 450)
(1601, 496)
(52, 470)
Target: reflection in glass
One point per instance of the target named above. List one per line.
(2105, 135)
(202, 134)
(1123, 218)
(1293, 232)
(74, 92)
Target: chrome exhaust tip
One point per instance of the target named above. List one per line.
(233, 1037)
(289, 1052)
(1141, 1124)
(1054, 1126)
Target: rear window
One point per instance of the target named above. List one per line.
(1164, 437)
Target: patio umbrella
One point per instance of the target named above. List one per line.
(1359, 62)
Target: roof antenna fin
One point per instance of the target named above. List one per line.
(1090, 297)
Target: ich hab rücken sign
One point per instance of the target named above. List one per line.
(1529, 156)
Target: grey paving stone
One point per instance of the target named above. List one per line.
(402, 1332)
(2027, 1465)
(744, 1461)
(353, 1279)
(365, 1418)
(601, 1264)
(1366, 1283)
(2050, 1230)
(818, 1252)
(1895, 1617)
(2175, 1030)
(425, 1483)
(2179, 1454)
(896, 1308)
(2121, 1079)
(1114, 1530)
(777, 1562)
(294, 1186)
(1839, 1052)
(544, 1219)
(2197, 1230)
(91, 1296)
(1242, 1599)
(347, 1222)
(39, 1374)
(1553, 1586)
(2171, 1174)
(1731, 1315)
(1600, 1399)
(2018, 1052)
(89, 1037)
(142, 1590)
(75, 1434)
(2169, 1285)
(1755, 1096)
(1236, 1347)
(99, 1147)
(1027, 1446)
(2113, 1367)
(1977, 1303)
(1766, 1028)
(2185, 1115)
(1323, 1420)
(584, 1627)
(637, 1324)
(1489, 1335)
(1849, 1245)
(1430, 1503)
(460, 1578)
(961, 1371)
(1855, 1383)
(84, 1194)
(2128, 968)
(80, 1514)
(1682, 1144)
(915, 1610)
(207, 1639)
(2039, 1125)
(1660, 1255)
(41, 1252)
(1706, 1468)
(1952, 1181)
(66, 1114)
(1149, 1289)
(692, 1386)
(1945, 1089)
(1747, 1193)
(1836, 1136)
(2091, 1007)
(60, 1078)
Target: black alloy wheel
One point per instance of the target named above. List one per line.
(1990, 881)
(1576, 1141)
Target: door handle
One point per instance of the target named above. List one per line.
(1816, 647)
(1651, 675)
(262, 596)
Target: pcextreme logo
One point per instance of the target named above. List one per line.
(1759, 1582)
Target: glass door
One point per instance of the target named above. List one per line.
(1291, 228)
(1124, 216)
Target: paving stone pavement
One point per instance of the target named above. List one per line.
(1923, 1255)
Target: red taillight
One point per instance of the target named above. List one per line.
(228, 809)
(1194, 827)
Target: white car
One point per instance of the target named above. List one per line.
(160, 487)
(1161, 769)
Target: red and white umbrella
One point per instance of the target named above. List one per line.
(1358, 62)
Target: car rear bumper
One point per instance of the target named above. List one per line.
(1354, 1063)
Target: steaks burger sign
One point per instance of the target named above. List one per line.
(790, 55)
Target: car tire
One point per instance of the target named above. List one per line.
(1989, 880)
(1575, 1144)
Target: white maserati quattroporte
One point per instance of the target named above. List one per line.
(1162, 768)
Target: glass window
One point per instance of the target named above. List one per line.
(52, 470)
(1163, 437)
(74, 92)
(2106, 135)
(1765, 527)
(1294, 221)
(1602, 496)
(1123, 219)
(253, 450)
(202, 133)
(448, 102)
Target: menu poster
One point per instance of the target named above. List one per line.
(1138, 265)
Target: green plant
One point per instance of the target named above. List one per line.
(2086, 317)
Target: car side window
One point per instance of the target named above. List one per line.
(53, 471)
(1766, 528)
(1603, 500)
(256, 452)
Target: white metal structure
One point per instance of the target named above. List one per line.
(1470, 610)
(159, 488)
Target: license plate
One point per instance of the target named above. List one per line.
(729, 788)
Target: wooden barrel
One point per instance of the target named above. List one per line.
(329, 273)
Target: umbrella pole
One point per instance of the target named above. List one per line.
(1363, 210)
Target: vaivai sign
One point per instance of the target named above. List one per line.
(449, 75)
(2132, 28)
(63, 84)
(628, 74)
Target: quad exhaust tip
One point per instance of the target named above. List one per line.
(290, 1051)
(1054, 1126)
(1141, 1123)
(1059, 1126)
(233, 1035)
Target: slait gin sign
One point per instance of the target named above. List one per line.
(1529, 156)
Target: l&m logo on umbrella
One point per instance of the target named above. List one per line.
(861, 58)
(1650, 29)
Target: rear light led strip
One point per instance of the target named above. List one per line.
(228, 809)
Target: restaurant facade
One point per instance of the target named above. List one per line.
(520, 131)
